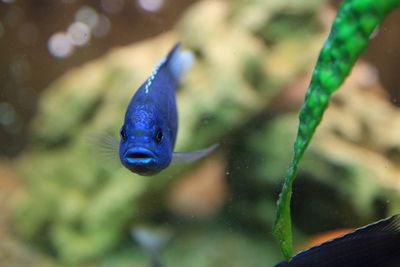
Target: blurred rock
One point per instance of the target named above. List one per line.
(13, 252)
(210, 245)
(202, 191)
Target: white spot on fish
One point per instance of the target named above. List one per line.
(153, 75)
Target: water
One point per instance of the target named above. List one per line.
(68, 70)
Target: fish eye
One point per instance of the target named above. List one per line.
(159, 135)
(123, 134)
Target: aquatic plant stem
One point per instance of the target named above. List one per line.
(348, 38)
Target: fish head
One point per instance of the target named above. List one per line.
(145, 149)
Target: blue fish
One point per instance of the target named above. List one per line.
(148, 135)
(377, 244)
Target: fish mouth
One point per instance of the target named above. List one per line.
(139, 156)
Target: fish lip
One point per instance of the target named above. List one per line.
(143, 156)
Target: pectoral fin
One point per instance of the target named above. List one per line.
(105, 147)
(187, 157)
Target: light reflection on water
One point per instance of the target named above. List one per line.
(88, 16)
(87, 22)
(78, 33)
(60, 46)
(151, 5)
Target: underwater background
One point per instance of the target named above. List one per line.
(69, 69)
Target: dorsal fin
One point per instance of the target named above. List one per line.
(387, 225)
(376, 244)
(179, 62)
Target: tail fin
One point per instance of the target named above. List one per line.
(179, 62)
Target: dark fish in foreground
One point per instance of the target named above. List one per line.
(151, 121)
(377, 244)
